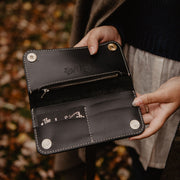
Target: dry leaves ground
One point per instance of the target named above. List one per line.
(25, 25)
(28, 25)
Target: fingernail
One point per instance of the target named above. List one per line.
(92, 50)
(136, 102)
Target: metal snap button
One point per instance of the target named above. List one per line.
(31, 57)
(46, 143)
(134, 124)
(112, 47)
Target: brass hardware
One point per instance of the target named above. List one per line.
(112, 47)
(31, 57)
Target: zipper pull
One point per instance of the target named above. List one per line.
(44, 92)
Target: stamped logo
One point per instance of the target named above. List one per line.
(62, 115)
(79, 68)
(76, 115)
(45, 121)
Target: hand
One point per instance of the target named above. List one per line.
(156, 107)
(99, 35)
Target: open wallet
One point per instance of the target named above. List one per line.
(78, 99)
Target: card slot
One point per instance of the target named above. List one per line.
(110, 113)
(113, 101)
(112, 121)
(68, 126)
(55, 115)
(64, 134)
(106, 111)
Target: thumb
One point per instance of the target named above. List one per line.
(155, 97)
(93, 41)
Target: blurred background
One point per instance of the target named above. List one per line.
(28, 25)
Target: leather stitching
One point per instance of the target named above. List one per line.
(63, 49)
(89, 128)
(126, 134)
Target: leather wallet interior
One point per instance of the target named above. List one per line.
(78, 100)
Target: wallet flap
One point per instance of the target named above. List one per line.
(47, 67)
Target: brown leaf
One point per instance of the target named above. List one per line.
(97, 177)
(4, 141)
(21, 162)
(11, 126)
(123, 174)
(5, 79)
(2, 162)
(27, 6)
(22, 137)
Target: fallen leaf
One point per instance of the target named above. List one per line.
(11, 126)
(22, 137)
(27, 6)
(2, 162)
(21, 162)
(123, 174)
(5, 79)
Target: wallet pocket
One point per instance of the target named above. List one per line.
(91, 86)
(108, 114)
(65, 126)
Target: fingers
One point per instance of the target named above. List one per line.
(147, 118)
(83, 41)
(96, 36)
(138, 94)
(99, 35)
(91, 40)
(155, 97)
(155, 121)
(144, 109)
(154, 126)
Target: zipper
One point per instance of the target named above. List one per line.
(46, 90)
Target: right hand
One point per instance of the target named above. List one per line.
(99, 35)
(161, 104)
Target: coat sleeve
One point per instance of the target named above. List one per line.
(119, 19)
(90, 14)
(80, 20)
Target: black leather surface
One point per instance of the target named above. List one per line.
(77, 115)
(54, 66)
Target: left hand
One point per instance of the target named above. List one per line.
(99, 35)
(156, 107)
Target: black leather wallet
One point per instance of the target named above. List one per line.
(78, 100)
